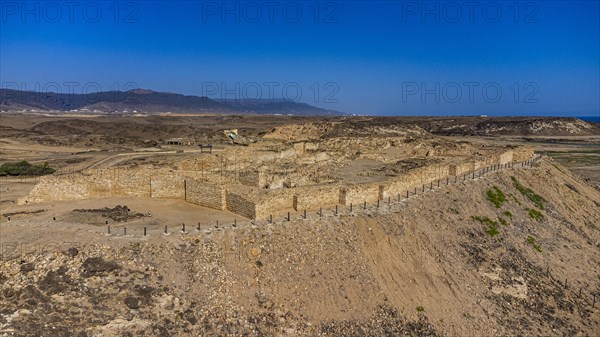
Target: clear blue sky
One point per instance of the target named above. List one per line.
(375, 57)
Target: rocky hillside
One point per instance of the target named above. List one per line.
(513, 253)
(509, 126)
(443, 126)
(147, 101)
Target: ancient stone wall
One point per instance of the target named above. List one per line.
(249, 178)
(125, 182)
(315, 197)
(108, 183)
(300, 148)
(521, 154)
(252, 178)
(415, 179)
(506, 157)
(241, 205)
(248, 198)
(357, 194)
(457, 170)
(167, 187)
(203, 194)
(274, 202)
(54, 189)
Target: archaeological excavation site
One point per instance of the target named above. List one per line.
(297, 226)
(299, 168)
(291, 169)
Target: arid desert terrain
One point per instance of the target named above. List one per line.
(262, 225)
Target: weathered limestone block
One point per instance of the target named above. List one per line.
(204, 194)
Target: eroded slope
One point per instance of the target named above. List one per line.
(433, 267)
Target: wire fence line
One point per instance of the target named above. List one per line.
(393, 204)
(579, 295)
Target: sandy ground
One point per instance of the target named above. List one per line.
(170, 213)
(360, 274)
(420, 267)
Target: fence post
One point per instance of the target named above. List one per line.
(166, 230)
(305, 213)
(377, 203)
(108, 229)
(336, 210)
(365, 205)
(124, 231)
(288, 217)
(144, 231)
(350, 207)
(320, 212)
(183, 228)
(234, 222)
(198, 226)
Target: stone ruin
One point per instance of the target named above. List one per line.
(275, 176)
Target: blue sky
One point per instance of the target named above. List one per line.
(376, 57)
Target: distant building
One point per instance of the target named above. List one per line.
(178, 141)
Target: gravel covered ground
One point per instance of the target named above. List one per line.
(425, 267)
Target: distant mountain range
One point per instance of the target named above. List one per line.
(148, 101)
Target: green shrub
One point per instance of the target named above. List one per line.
(492, 229)
(515, 199)
(508, 214)
(484, 220)
(532, 241)
(535, 214)
(24, 168)
(496, 196)
(536, 199)
(503, 221)
(420, 309)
